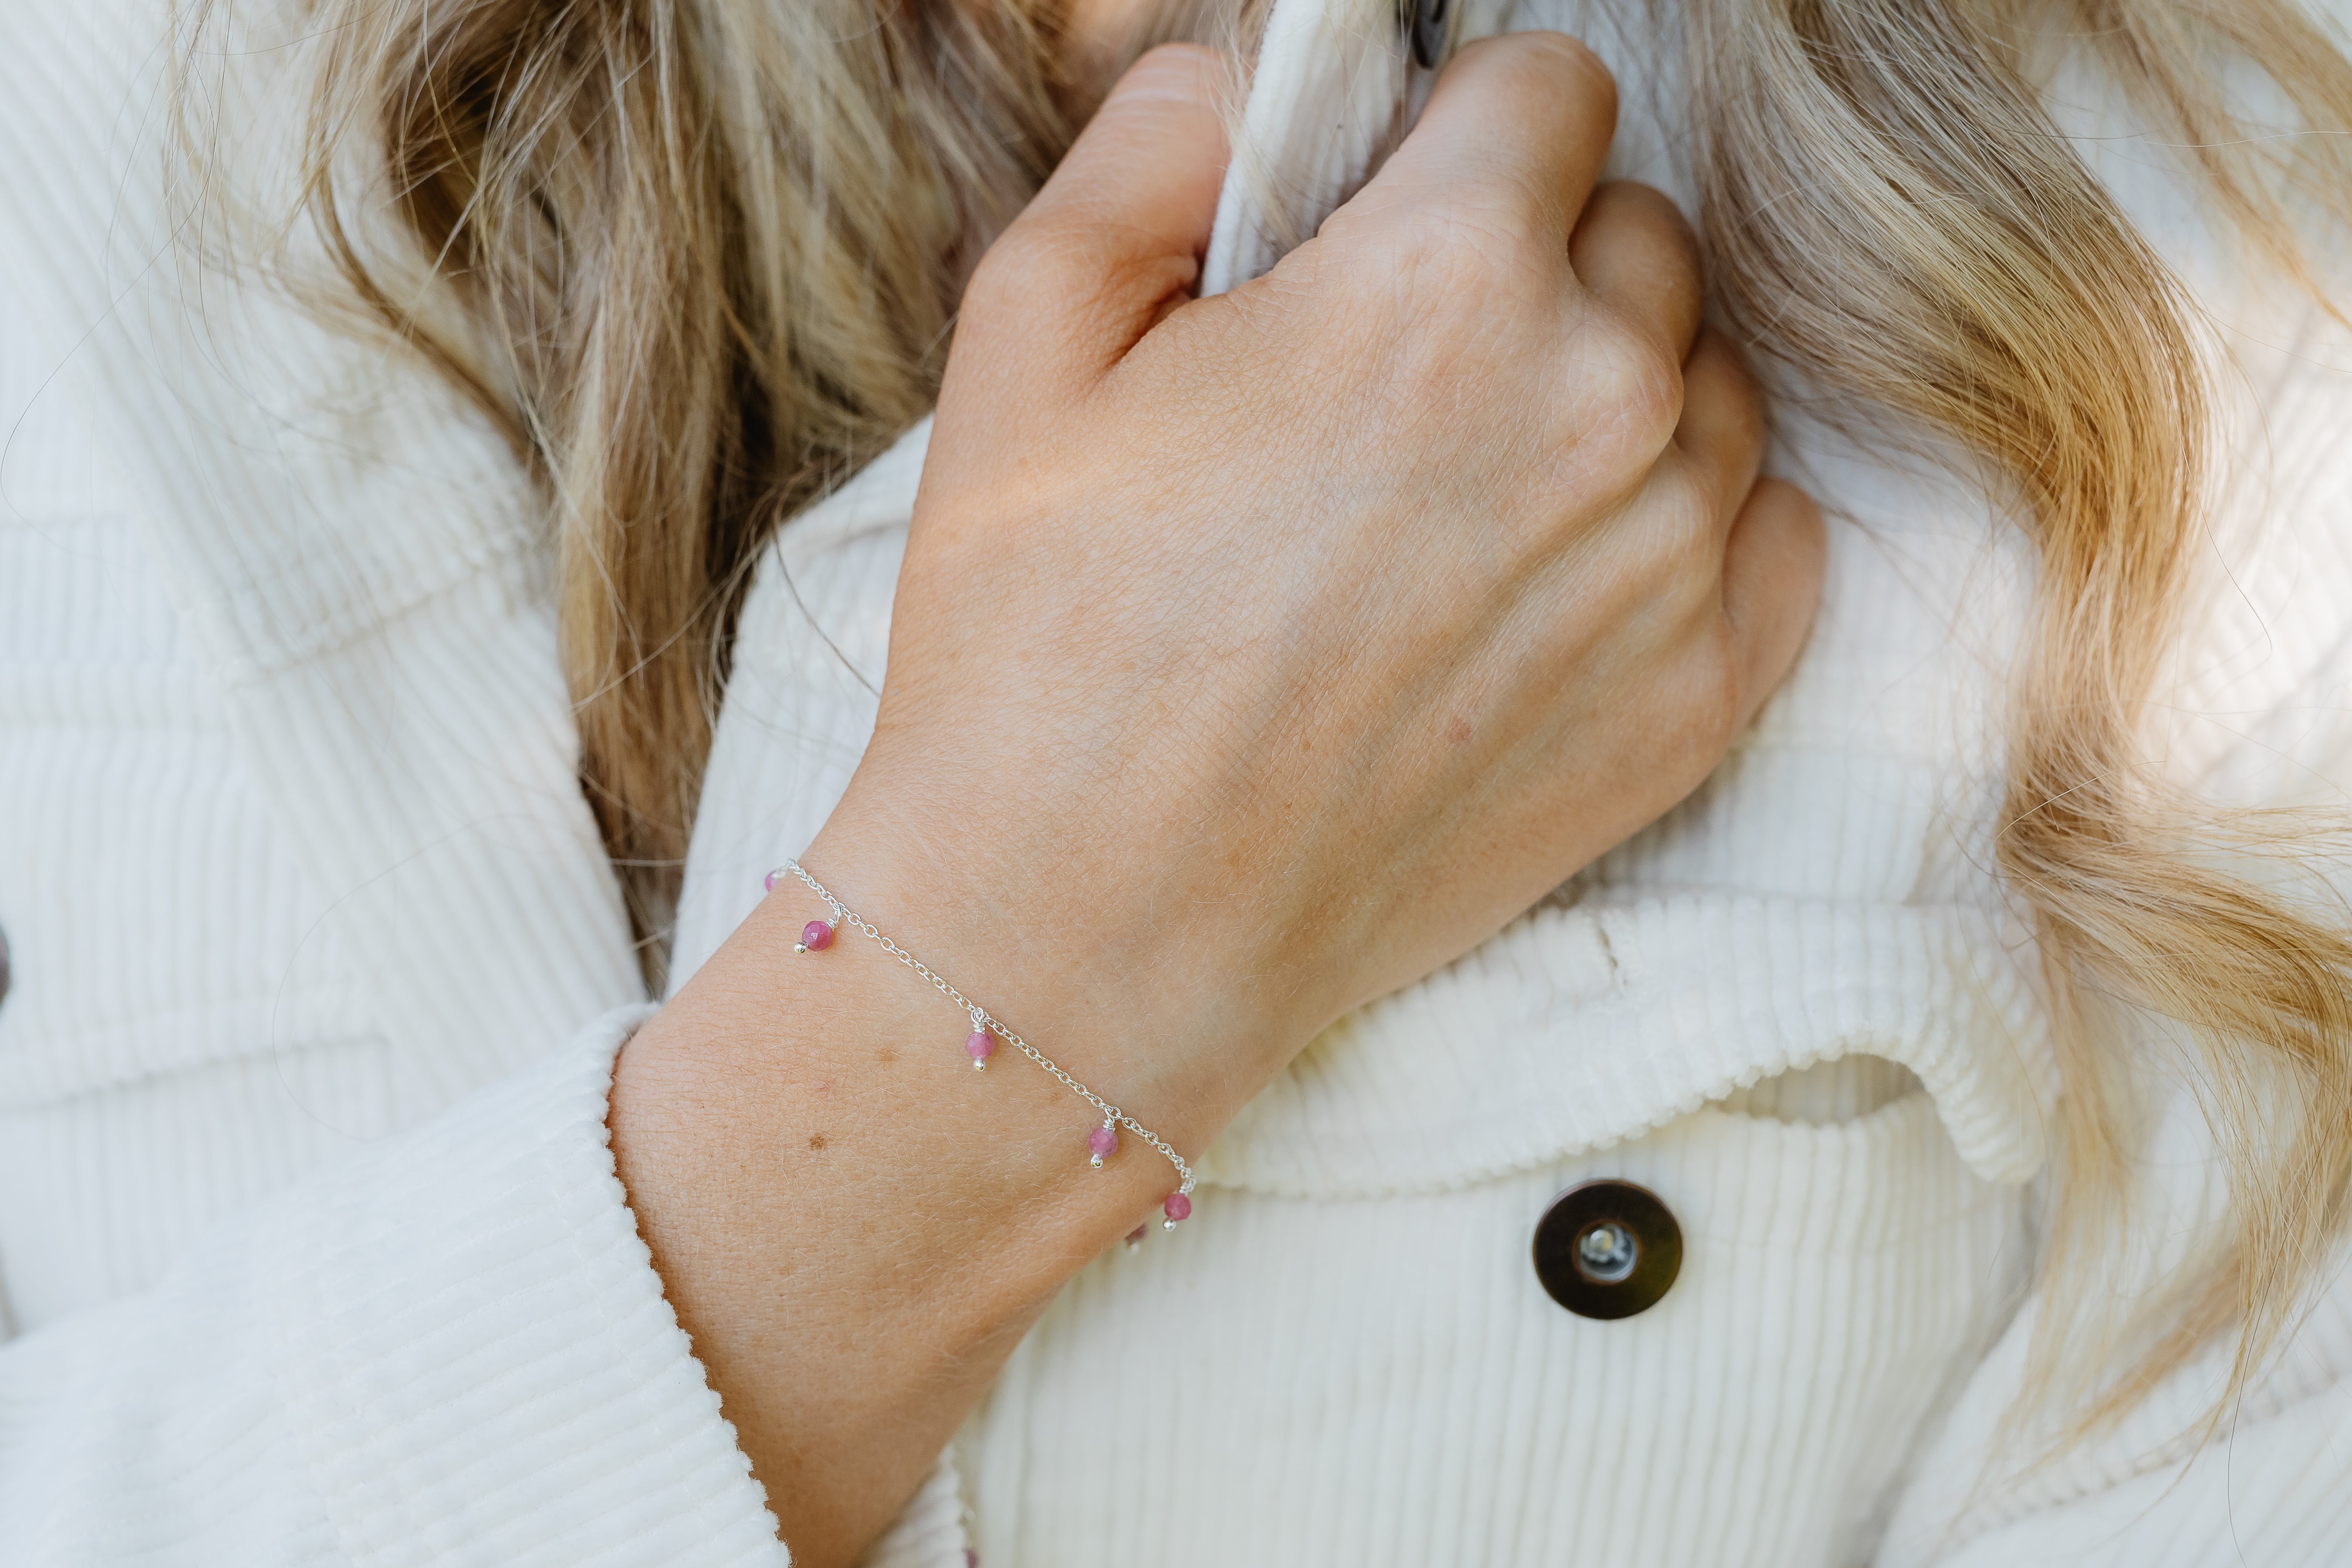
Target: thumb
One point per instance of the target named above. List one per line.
(1115, 238)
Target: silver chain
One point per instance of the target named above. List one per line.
(982, 1019)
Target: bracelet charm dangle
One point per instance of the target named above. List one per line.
(980, 1044)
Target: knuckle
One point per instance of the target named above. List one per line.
(1728, 368)
(1631, 204)
(1463, 264)
(1745, 415)
(1570, 54)
(1645, 220)
(1738, 442)
(1547, 62)
(1461, 275)
(1679, 560)
(1008, 280)
(1684, 520)
(1634, 382)
(1708, 695)
(1062, 270)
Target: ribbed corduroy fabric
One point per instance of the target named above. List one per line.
(309, 1227)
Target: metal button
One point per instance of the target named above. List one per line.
(1425, 26)
(1608, 1249)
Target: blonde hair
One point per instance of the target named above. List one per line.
(705, 255)
(1965, 270)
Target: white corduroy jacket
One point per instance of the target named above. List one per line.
(310, 1236)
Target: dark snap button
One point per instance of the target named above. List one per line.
(1608, 1249)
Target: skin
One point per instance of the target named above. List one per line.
(1251, 657)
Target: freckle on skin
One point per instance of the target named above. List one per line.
(818, 1141)
(886, 1056)
(1458, 731)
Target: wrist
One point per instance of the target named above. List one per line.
(1135, 986)
(812, 1171)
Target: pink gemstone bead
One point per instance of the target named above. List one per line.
(980, 1044)
(1178, 1206)
(816, 936)
(769, 882)
(1103, 1142)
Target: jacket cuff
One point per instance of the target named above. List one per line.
(478, 1364)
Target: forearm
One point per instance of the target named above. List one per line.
(854, 1228)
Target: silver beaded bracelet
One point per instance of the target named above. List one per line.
(980, 1045)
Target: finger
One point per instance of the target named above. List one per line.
(1516, 127)
(1116, 234)
(1771, 586)
(1633, 249)
(1721, 432)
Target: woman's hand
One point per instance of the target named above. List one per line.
(1251, 657)
(1277, 648)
